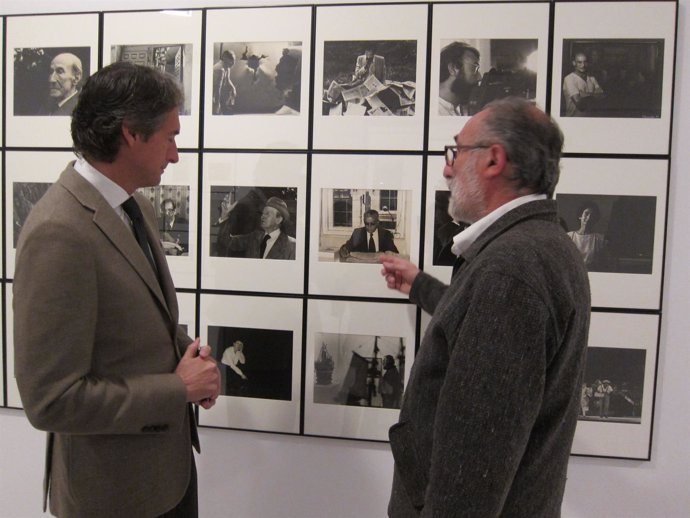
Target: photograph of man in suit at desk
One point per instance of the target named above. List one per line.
(358, 225)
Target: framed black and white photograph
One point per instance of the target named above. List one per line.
(257, 78)
(369, 74)
(254, 362)
(48, 60)
(614, 210)
(439, 228)
(474, 62)
(28, 176)
(359, 370)
(614, 79)
(247, 197)
(618, 78)
(360, 224)
(245, 218)
(612, 390)
(369, 78)
(356, 199)
(48, 80)
(169, 41)
(175, 203)
(257, 343)
(617, 394)
(613, 233)
(171, 206)
(357, 367)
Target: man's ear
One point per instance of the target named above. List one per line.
(128, 135)
(453, 70)
(497, 160)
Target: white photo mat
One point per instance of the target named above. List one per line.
(261, 131)
(162, 27)
(283, 314)
(467, 22)
(254, 170)
(624, 177)
(370, 22)
(401, 173)
(74, 30)
(186, 304)
(588, 20)
(360, 318)
(612, 439)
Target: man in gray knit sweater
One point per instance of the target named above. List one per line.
(489, 413)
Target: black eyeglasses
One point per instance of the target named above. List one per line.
(451, 152)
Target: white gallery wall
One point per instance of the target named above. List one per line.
(265, 475)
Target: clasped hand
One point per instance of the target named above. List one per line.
(200, 375)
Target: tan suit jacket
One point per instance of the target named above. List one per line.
(96, 346)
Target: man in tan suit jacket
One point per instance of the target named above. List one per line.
(101, 362)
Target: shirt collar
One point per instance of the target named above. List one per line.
(274, 234)
(463, 240)
(112, 192)
(61, 103)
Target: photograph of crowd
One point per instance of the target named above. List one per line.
(614, 233)
(612, 78)
(359, 370)
(254, 363)
(369, 77)
(47, 80)
(257, 78)
(613, 385)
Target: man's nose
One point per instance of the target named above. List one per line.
(174, 155)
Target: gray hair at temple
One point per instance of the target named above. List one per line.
(122, 93)
(532, 140)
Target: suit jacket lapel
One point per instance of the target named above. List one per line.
(122, 238)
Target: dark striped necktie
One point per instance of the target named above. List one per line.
(131, 208)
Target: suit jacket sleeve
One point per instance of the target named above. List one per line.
(56, 310)
(426, 291)
(490, 398)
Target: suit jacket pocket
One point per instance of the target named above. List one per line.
(410, 468)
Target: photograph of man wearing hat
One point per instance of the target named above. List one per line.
(270, 242)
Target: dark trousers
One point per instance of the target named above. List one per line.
(188, 507)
